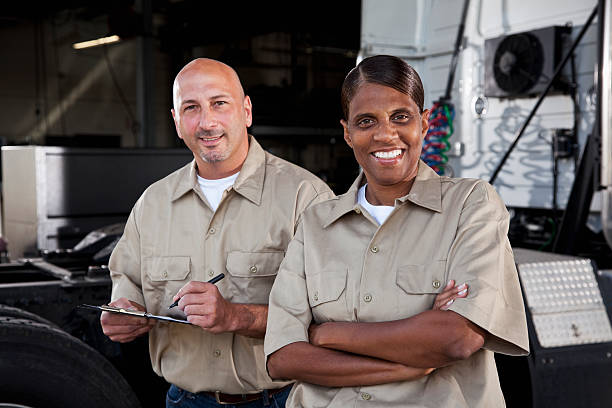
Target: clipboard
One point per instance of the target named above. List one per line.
(131, 312)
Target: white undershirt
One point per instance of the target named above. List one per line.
(213, 189)
(379, 212)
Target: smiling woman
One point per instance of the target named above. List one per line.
(385, 124)
(360, 308)
(385, 129)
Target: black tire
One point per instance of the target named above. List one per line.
(9, 311)
(42, 366)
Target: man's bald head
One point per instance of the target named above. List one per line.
(211, 114)
(204, 66)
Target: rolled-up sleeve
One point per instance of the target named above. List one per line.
(289, 314)
(482, 257)
(124, 263)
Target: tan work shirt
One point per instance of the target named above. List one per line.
(343, 266)
(172, 237)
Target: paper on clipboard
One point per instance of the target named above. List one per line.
(131, 312)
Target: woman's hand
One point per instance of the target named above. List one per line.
(313, 334)
(449, 294)
(317, 332)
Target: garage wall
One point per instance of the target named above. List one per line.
(48, 88)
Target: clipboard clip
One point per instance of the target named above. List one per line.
(132, 312)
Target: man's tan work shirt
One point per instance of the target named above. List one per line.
(172, 237)
(343, 266)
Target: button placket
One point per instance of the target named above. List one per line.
(373, 261)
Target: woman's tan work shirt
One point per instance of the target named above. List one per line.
(173, 236)
(343, 266)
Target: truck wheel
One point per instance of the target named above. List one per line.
(9, 311)
(43, 366)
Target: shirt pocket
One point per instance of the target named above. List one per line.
(166, 275)
(252, 275)
(418, 286)
(326, 294)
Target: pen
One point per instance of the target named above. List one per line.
(213, 280)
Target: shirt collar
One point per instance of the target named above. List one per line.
(249, 183)
(426, 192)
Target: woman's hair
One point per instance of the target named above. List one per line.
(384, 70)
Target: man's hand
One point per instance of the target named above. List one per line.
(124, 328)
(449, 294)
(205, 307)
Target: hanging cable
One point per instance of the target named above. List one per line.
(576, 102)
(436, 143)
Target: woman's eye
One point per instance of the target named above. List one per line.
(365, 122)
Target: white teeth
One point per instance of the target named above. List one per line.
(388, 155)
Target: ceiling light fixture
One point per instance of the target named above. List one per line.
(96, 42)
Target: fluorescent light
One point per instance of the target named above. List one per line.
(96, 42)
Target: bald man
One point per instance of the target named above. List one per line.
(232, 210)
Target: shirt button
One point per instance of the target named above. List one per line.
(165, 274)
(436, 284)
(253, 269)
(367, 298)
(210, 273)
(212, 230)
(357, 210)
(374, 249)
(366, 396)
(217, 353)
(316, 296)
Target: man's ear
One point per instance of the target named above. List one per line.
(248, 109)
(176, 126)
(347, 136)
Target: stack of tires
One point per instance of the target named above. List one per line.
(43, 366)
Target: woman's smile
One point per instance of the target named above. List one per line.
(388, 155)
(385, 128)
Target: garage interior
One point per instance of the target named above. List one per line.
(71, 115)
